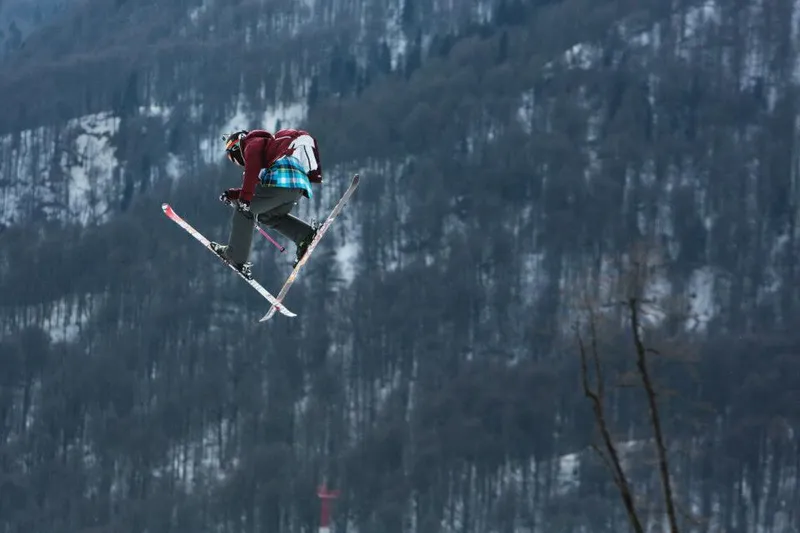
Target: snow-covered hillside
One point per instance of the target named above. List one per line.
(687, 34)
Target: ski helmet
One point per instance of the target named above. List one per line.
(233, 147)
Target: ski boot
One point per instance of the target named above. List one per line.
(246, 269)
(303, 245)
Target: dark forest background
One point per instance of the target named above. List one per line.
(520, 158)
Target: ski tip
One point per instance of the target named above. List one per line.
(285, 312)
(165, 207)
(268, 315)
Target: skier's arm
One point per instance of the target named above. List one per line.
(315, 175)
(253, 156)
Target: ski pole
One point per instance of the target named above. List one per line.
(270, 239)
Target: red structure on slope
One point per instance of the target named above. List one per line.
(325, 508)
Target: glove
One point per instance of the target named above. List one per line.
(243, 206)
(228, 196)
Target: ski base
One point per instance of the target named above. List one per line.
(172, 215)
(334, 213)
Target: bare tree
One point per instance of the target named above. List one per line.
(609, 453)
(655, 417)
(634, 282)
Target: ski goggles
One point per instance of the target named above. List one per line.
(232, 150)
(232, 145)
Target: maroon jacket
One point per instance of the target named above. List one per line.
(260, 150)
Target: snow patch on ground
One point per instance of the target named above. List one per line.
(284, 116)
(603, 290)
(396, 39)
(239, 121)
(483, 12)
(174, 166)
(345, 230)
(533, 281)
(155, 110)
(196, 12)
(568, 468)
(773, 281)
(582, 56)
(94, 162)
(525, 111)
(656, 294)
(347, 255)
(201, 460)
(67, 319)
(66, 171)
(695, 19)
(702, 306)
(691, 25)
(63, 319)
(385, 388)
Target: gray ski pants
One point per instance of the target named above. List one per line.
(272, 206)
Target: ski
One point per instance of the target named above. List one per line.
(205, 242)
(334, 213)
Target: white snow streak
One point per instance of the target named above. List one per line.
(701, 300)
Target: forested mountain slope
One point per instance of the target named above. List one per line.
(519, 157)
(20, 18)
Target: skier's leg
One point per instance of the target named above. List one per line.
(287, 225)
(265, 200)
(300, 232)
(240, 239)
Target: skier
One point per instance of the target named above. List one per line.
(278, 170)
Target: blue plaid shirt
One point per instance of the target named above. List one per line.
(286, 172)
